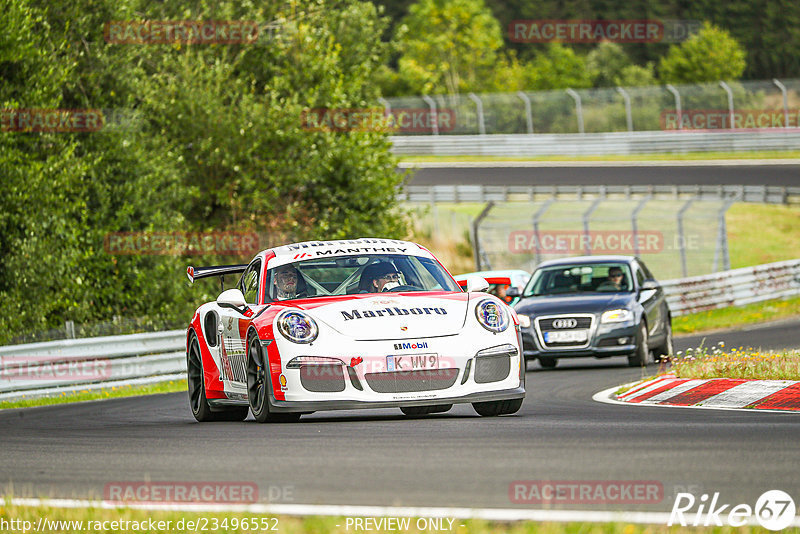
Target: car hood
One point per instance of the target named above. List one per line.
(576, 303)
(397, 316)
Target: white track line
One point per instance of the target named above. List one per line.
(645, 163)
(488, 514)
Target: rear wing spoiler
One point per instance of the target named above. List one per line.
(195, 273)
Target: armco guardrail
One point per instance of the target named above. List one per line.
(38, 369)
(616, 143)
(733, 288)
(41, 368)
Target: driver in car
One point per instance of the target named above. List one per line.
(614, 282)
(285, 282)
(378, 277)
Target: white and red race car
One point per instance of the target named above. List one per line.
(364, 323)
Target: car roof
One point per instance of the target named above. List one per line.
(587, 260)
(507, 273)
(309, 250)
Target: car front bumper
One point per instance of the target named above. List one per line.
(604, 343)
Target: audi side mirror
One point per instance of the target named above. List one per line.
(513, 292)
(650, 284)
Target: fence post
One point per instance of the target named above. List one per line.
(635, 222)
(628, 117)
(682, 236)
(785, 102)
(537, 249)
(479, 105)
(587, 214)
(476, 244)
(69, 327)
(432, 105)
(721, 248)
(677, 95)
(528, 115)
(578, 108)
(730, 102)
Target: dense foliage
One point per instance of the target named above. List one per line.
(198, 137)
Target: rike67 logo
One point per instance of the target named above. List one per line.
(774, 510)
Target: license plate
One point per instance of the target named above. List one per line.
(568, 336)
(411, 362)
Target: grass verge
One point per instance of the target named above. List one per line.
(691, 156)
(758, 312)
(748, 363)
(133, 520)
(105, 393)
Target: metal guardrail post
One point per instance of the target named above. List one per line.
(537, 249)
(69, 327)
(721, 248)
(528, 114)
(432, 105)
(785, 101)
(628, 116)
(476, 244)
(479, 105)
(386, 105)
(635, 222)
(730, 102)
(586, 215)
(578, 108)
(682, 236)
(677, 95)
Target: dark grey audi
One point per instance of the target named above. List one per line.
(597, 306)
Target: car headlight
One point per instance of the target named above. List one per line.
(492, 315)
(524, 320)
(297, 326)
(616, 316)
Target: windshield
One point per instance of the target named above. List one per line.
(350, 275)
(591, 278)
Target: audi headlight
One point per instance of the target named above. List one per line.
(492, 316)
(297, 326)
(524, 320)
(617, 316)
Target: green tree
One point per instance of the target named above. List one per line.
(708, 56)
(449, 46)
(558, 67)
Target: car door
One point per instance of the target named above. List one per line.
(234, 323)
(652, 300)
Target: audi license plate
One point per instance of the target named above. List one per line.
(412, 362)
(567, 336)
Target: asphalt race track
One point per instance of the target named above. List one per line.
(598, 173)
(380, 457)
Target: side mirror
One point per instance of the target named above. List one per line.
(513, 292)
(232, 298)
(477, 283)
(650, 284)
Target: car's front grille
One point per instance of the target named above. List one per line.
(411, 381)
(564, 323)
(492, 368)
(322, 378)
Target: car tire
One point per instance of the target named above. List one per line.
(425, 410)
(495, 408)
(198, 402)
(641, 357)
(548, 363)
(666, 350)
(258, 387)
